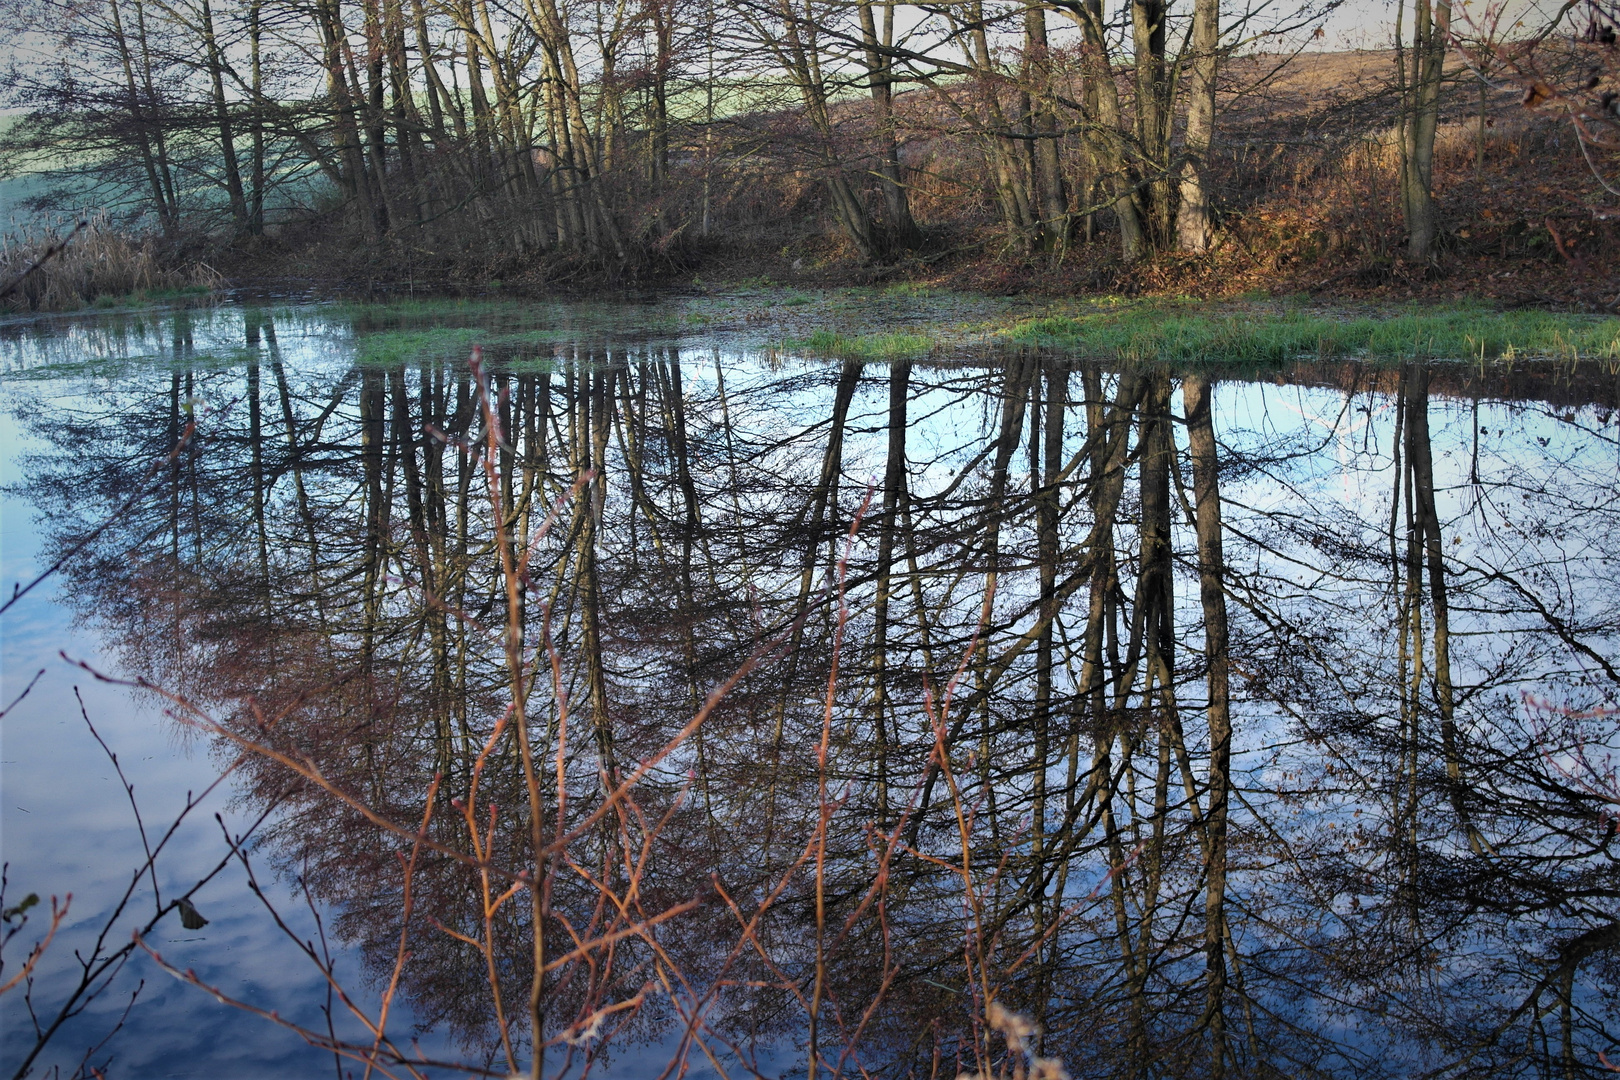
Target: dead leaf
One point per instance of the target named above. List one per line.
(190, 917)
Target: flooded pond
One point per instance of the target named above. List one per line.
(714, 708)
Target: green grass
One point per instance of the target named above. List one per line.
(492, 317)
(1179, 333)
(523, 331)
(427, 312)
(389, 348)
(90, 367)
(915, 289)
(1163, 334)
(144, 297)
(882, 346)
(120, 366)
(882, 324)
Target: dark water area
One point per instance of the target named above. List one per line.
(1216, 723)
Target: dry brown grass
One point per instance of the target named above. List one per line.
(100, 263)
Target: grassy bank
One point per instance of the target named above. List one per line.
(1241, 333)
(881, 325)
(1156, 333)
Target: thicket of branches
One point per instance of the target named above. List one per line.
(632, 133)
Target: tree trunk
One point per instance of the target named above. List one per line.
(1431, 22)
(1212, 594)
(1108, 144)
(902, 229)
(1193, 225)
(894, 489)
(1050, 193)
(1153, 115)
(222, 120)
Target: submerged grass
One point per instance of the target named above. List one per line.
(393, 347)
(497, 312)
(142, 298)
(879, 346)
(123, 365)
(511, 331)
(526, 349)
(872, 326)
(1166, 334)
(879, 326)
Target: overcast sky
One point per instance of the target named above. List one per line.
(1368, 24)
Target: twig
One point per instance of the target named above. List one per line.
(57, 915)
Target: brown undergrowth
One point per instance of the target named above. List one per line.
(73, 265)
(1304, 173)
(1529, 228)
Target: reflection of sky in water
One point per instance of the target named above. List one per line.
(1540, 512)
(1526, 494)
(66, 826)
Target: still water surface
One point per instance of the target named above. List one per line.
(300, 548)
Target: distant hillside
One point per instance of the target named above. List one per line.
(15, 218)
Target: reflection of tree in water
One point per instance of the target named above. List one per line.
(1379, 840)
